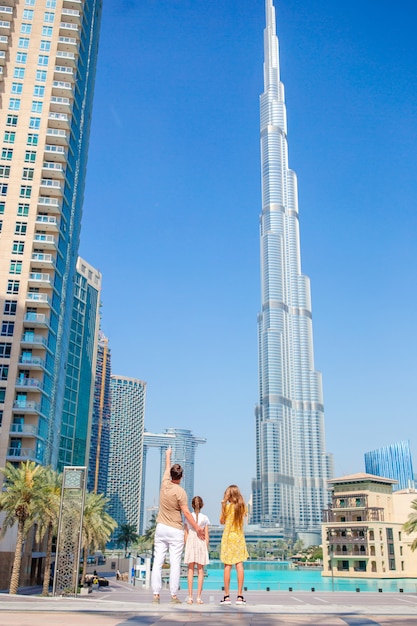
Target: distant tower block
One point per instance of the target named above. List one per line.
(183, 444)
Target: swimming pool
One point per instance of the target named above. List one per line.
(264, 575)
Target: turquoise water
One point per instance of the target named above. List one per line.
(279, 577)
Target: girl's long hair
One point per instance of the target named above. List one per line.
(233, 495)
(197, 504)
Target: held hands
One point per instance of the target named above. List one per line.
(201, 533)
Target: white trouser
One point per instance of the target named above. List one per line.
(172, 539)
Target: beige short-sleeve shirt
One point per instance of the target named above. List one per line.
(171, 498)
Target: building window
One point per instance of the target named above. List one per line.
(13, 286)
(27, 173)
(25, 29)
(20, 228)
(21, 57)
(19, 72)
(15, 267)
(39, 91)
(3, 189)
(9, 136)
(390, 534)
(51, 4)
(46, 31)
(392, 564)
(27, 14)
(23, 42)
(1, 225)
(2, 394)
(7, 329)
(34, 123)
(30, 156)
(48, 17)
(14, 104)
(10, 307)
(36, 106)
(2, 207)
(18, 247)
(25, 191)
(41, 75)
(7, 154)
(30, 3)
(32, 139)
(4, 171)
(43, 59)
(5, 350)
(11, 120)
(22, 209)
(45, 45)
(16, 88)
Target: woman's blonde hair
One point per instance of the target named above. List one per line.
(233, 495)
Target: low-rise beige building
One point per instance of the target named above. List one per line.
(362, 532)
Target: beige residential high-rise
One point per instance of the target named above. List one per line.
(362, 531)
(48, 51)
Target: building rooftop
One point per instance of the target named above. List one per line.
(363, 477)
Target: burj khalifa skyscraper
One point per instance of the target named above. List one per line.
(292, 466)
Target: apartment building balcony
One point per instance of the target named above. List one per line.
(4, 26)
(61, 72)
(61, 88)
(30, 340)
(66, 58)
(48, 222)
(28, 384)
(72, 16)
(55, 153)
(59, 120)
(369, 514)
(53, 170)
(6, 12)
(47, 242)
(2, 57)
(51, 186)
(4, 42)
(41, 259)
(73, 4)
(26, 406)
(35, 320)
(67, 44)
(57, 136)
(68, 29)
(26, 430)
(22, 454)
(38, 279)
(38, 299)
(60, 105)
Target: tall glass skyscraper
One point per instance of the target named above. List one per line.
(48, 53)
(124, 479)
(393, 461)
(292, 467)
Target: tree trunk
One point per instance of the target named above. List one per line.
(84, 572)
(47, 570)
(14, 579)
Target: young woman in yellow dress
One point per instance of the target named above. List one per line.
(233, 546)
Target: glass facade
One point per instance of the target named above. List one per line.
(292, 467)
(124, 479)
(80, 370)
(393, 461)
(100, 426)
(48, 57)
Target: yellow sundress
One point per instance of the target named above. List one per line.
(233, 547)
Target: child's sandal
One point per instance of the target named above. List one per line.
(199, 601)
(189, 601)
(226, 600)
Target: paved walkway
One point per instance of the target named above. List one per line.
(123, 605)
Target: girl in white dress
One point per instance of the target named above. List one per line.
(196, 552)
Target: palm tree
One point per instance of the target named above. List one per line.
(98, 526)
(21, 498)
(151, 529)
(411, 525)
(127, 535)
(48, 518)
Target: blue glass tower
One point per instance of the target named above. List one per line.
(292, 467)
(393, 461)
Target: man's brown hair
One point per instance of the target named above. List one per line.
(176, 472)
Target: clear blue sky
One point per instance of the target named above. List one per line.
(173, 198)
